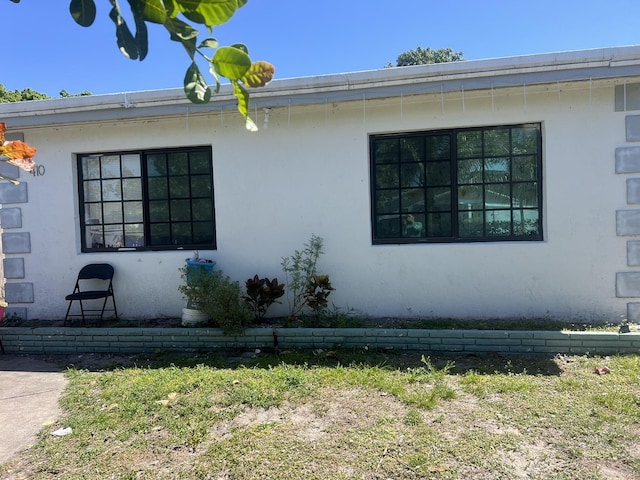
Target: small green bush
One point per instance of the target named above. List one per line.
(225, 304)
(219, 297)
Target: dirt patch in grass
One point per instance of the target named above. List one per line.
(335, 412)
(310, 417)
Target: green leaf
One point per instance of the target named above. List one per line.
(125, 39)
(149, 10)
(141, 38)
(212, 70)
(180, 29)
(195, 86)
(259, 74)
(184, 33)
(172, 8)
(231, 62)
(243, 98)
(243, 105)
(209, 43)
(241, 46)
(83, 12)
(208, 12)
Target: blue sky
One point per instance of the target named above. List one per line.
(45, 50)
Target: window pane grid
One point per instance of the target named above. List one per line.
(147, 199)
(479, 184)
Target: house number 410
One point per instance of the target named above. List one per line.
(38, 171)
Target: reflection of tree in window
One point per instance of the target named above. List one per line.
(495, 190)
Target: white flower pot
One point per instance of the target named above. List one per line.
(193, 318)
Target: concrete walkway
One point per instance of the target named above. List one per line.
(30, 390)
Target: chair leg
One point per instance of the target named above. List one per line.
(104, 305)
(82, 310)
(84, 322)
(66, 317)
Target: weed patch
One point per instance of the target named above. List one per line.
(353, 416)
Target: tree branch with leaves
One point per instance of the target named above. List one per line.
(178, 17)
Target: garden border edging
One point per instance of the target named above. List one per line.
(132, 340)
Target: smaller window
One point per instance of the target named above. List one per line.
(150, 199)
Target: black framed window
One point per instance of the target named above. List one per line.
(148, 199)
(458, 185)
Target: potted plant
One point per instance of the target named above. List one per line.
(196, 275)
(212, 297)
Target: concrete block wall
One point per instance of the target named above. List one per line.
(15, 242)
(54, 340)
(627, 162)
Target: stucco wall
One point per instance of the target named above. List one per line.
(308, 172)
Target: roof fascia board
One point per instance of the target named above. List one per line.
(616, 62)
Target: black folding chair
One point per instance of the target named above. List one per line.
(95, 282)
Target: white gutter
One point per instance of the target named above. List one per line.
(616, 62)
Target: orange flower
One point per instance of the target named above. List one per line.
(20, 154)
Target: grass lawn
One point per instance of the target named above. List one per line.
(343, 415)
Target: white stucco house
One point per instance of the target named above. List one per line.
(495, 188)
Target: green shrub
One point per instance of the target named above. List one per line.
(317, 293)
(307, 289)
(225, 305)
(219, 297)
(261, 293)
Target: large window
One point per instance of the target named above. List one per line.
(461, 185)
(152, 199)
